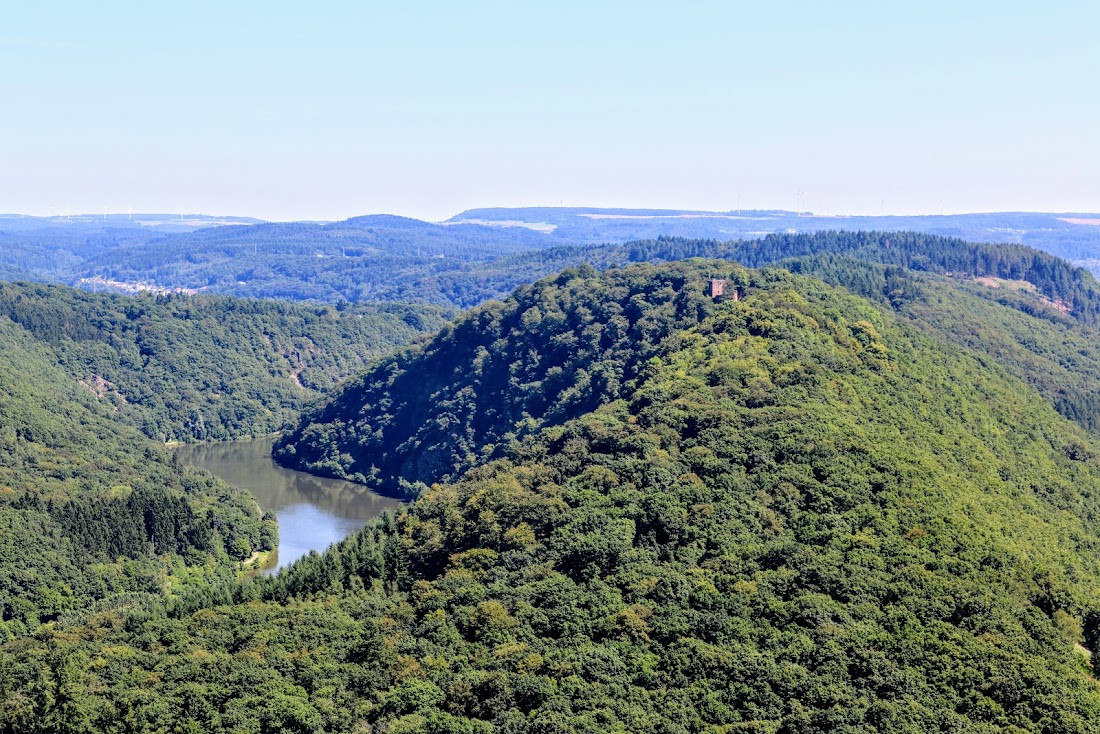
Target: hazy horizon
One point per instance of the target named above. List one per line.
(808, 214)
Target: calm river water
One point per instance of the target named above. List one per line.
(313, 512)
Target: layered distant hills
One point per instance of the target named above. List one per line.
(475, 255)
(1071, 236)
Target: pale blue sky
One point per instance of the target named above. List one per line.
(328, 110)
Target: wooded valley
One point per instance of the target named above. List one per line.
(857, 492)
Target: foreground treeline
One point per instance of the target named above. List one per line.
(185, 368)
(797, 512)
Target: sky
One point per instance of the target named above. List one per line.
(329, 110)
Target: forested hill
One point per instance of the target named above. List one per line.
(805, 515)
(93, 512)
(207, 368)
(1071, 286)
(554, 350)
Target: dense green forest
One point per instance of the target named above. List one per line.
(1029, 335)
(795, 508)
(189, 368)
(91, 511)
(553, 351)
(433, 411)
(798, 512)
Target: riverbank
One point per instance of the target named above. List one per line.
(312, 512)
(257, 562)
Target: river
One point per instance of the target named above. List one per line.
(314, 512)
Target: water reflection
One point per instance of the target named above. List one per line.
(313, 512)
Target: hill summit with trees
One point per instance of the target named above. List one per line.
(565, 344)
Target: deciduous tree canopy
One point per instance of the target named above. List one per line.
(798, 512)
